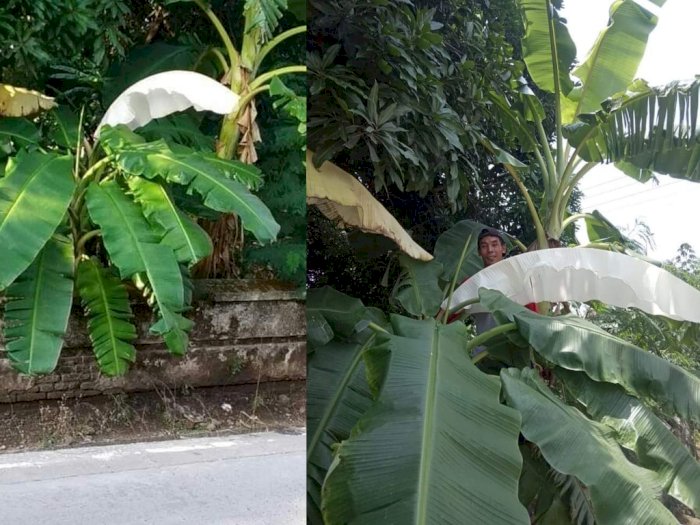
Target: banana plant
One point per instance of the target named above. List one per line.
(242, 68)
(88, 219)
(602, 114)
(406, 426)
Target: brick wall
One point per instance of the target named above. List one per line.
(244, 332)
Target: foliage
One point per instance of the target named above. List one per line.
(113, 202)
(673, 340)
(470, 47)
(282, 159)
(399, 90)
(36, 35)
(602, 114)
(379, 414)
(592, 405)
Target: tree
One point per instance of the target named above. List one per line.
(436, 72)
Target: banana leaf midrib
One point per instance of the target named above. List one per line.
(173, 159)
(35, 309)
(105, 301)
(63, 130)
(17, 135)
(555, 57)
(428, 431)
(22, 192)
(323, 422)
(125, 221)
(249, 169)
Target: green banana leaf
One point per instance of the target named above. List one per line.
(338, 391)
(19, 130)
(33, 181)
(612, 62)
(123, 226)
(106, 304)
(342, 312)
(66, 130)
(187, 239)
(338, 395)
(548, 50)
(247, 174)
(620, 491)
(646, 129)
(318, 331)
(513, 122)
(37, 309)
(601, 230)
(576, 344)
(201, 172)
(639, 429)
(417, 290)
(437, 447)
(180, 128)
(553, 497)
(133, 248)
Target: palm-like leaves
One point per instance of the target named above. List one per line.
(149, 240)
(339, 392)
(187, 239)
(576, 344)
(418, 290)
(264, 14)
(106, 303)
(647, 129)
(613, 60)
(548, 49)
(134, 248)
(638, 429)
(200, 172)
(37, 309)
(621, 492)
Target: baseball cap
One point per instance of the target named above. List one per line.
(490, 232)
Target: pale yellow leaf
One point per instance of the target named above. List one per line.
(20, 102)
(341, 197)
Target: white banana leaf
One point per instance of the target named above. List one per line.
(581, 274)
(341, 197)
(164, 93)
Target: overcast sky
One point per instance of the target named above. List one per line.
(672, 208)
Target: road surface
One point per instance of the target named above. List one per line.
(236, 480)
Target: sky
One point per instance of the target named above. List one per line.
(671, 208)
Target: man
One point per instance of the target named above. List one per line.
(492, 249)
(491, 246)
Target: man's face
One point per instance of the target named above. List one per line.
(491, 250)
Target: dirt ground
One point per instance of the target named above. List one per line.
(162, 414)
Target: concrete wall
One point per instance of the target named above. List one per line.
(244, 332)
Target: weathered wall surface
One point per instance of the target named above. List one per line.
(244, 332)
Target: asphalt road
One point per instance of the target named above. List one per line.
(234, 480)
